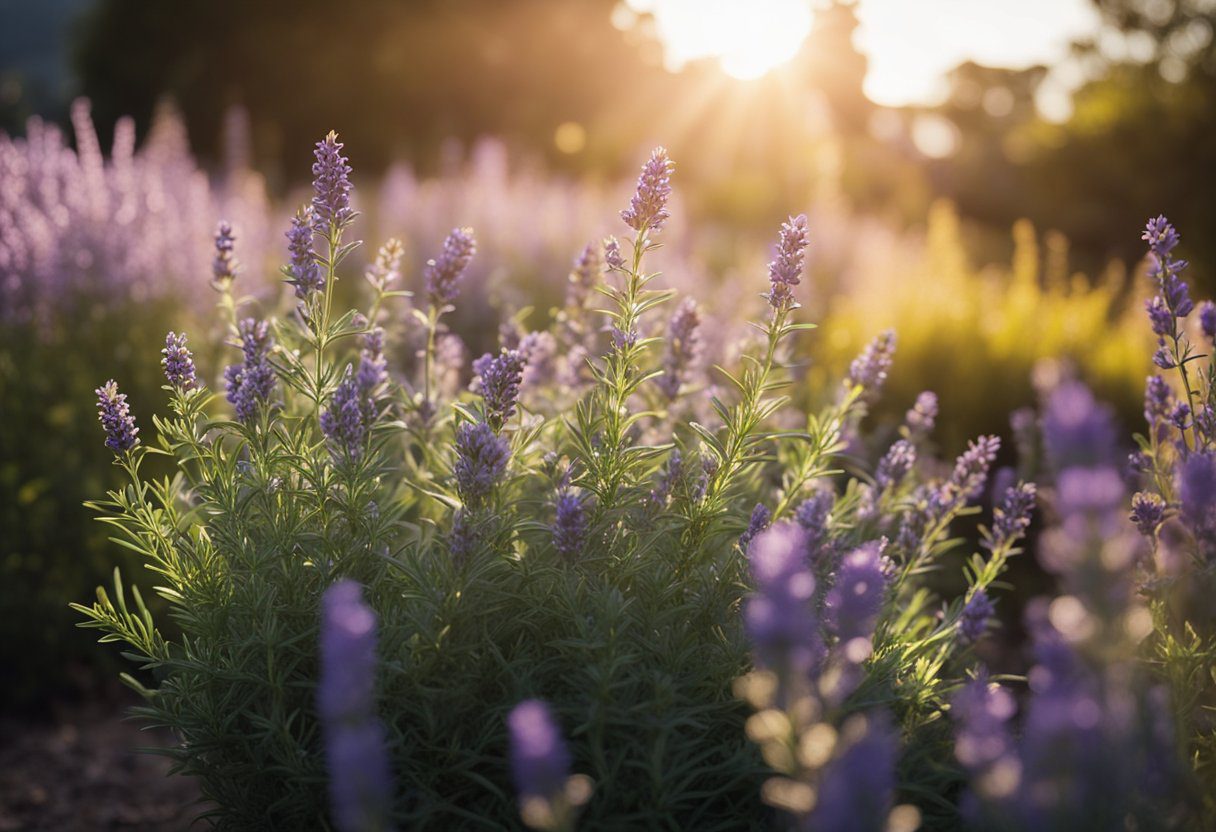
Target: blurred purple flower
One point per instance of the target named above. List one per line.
(975, 617)
(779, 616)
(857, 789)
(612, 255)
(570, 524)
(922, 416)
(585, 274)
(1011, 517)
(225, 267)
(683, 348)
(1197, 491)
(1077, 429)
(855, 599)
(869, 370)
(540, 761)
(1207, 319)
(895, 464)
(443, 274)
(360, 778)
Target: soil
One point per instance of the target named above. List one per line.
(80, 767)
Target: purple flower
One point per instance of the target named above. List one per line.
(969, 474)
(386, 269)
(1148, 510)
(1077, 429)
(812, 515)
(225, 267)
(373, 368)
(586, 273)
(331, 187)
(1011, 518)
(1158, 401)
(344, 422)
(855, 599)
(539, 349)
(779, 616)
(360, 779)
(869, 370)
(895, 464)
(360, 776)
(443, 273)
(612, 255)
(857, 789)
(498, 380)
(683, 348)
(1175, 294)
(648, 207)
(570, 525)
(1180, 416)
(348, 654)
(757, 523)
(178, 363)
(785, 272)
(984, 743)
(1197, 491)
(540, 761)
(250, 384)
(1207, 319)
(973, 620)
(481, 461)
(305, 273)
(1160, 318)
(462, 539)
(116, 418)
(1160, 236)
(922, 417)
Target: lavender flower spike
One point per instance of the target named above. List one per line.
(360, 778)
(570, 525)
(251, 383)
(225, 267)
(116, 418)
(922, 416)
(443, 273)
(344, 422)
(757, 523)
(481, 460)
(869, 370)
(779, 617)
(975, 616)
(648, 207)
(178, 363)
(785, 272)
(498, 380)
(331, 187)
(305, 273)
(683, 348)
(540, 761)
(1011, 518)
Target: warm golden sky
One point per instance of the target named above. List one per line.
(911, 44)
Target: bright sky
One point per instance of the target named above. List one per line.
(911, 44)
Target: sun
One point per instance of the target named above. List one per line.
(747, 37)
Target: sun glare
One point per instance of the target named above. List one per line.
(747, 37)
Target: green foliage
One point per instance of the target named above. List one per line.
(635, 640)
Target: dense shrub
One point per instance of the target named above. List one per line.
(573, 529)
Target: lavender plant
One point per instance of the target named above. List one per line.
(557, 531)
